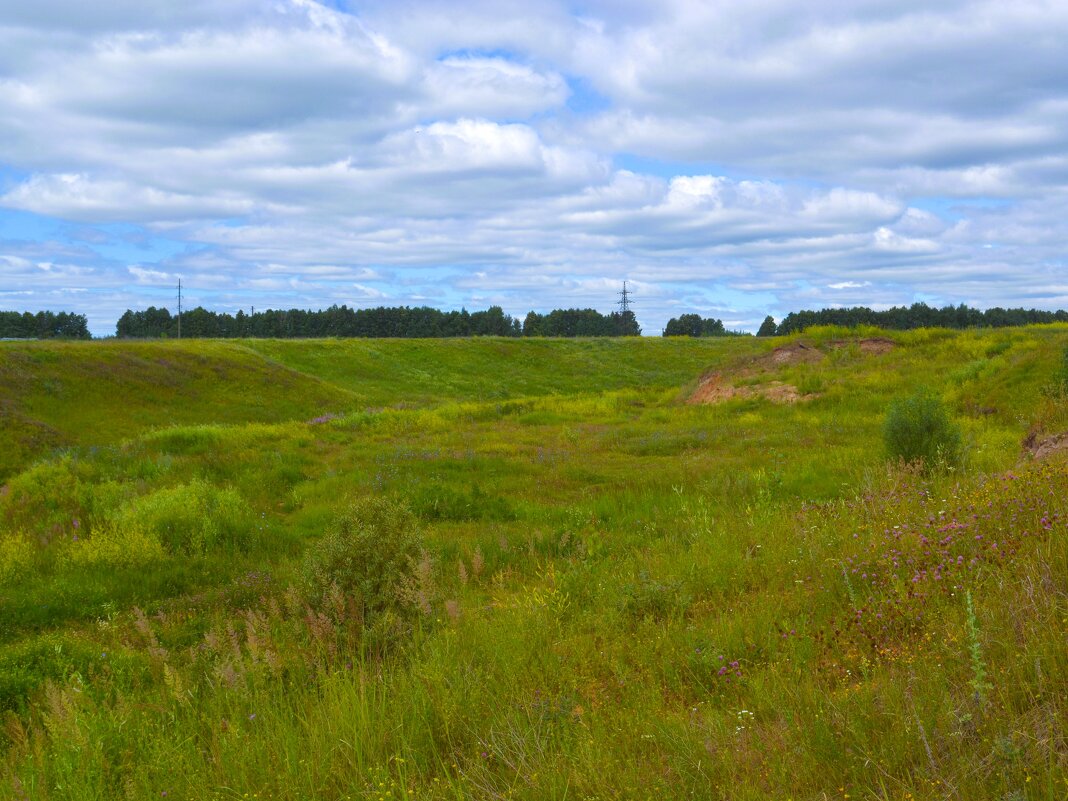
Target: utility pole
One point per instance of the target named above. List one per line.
(179, 308)
(624, 299)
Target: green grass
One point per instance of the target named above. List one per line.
(388, 372)
(56, 395)
(621, 595)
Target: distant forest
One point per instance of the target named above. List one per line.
(43, 325)
(918, 315)
(899, 318)
(424, 321)
(400, 321)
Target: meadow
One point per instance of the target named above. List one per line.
(532, 569)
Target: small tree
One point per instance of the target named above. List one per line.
(919, 429)
(768, 327)
(370, 555)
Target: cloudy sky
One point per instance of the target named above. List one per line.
(729, 159)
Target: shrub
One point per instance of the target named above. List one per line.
(44, 499)
(17, 556)
(370, 555)
(128, 545)
(190, 518)
(919, 429)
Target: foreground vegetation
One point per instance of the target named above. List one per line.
(529, 569)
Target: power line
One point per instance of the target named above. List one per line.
(179, 308)
(624, 299)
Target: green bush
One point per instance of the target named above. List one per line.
(919, 429)
(17, 556)
(369, 555)
(190, 518)
(44, 499)
(128, 545)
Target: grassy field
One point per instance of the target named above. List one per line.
(503, 569)
(56, 395)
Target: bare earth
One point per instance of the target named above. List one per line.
(1041, 449)
(717, 387)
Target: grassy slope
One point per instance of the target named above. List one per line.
(416, 372)
(56, 395)
(563, 530)
(61, 394)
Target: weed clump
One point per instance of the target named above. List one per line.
(191, 518)
(116, 545)
(17, 556)
(655, 600)
(919, 429)
(369, 556)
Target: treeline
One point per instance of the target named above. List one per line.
(693, 325)
(399, 321)
(581, 323)
(899, 318)
(43, 325)
(918, 315)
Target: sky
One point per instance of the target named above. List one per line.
(732, 160)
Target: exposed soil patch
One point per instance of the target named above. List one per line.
(873, 346)
(877, 345)
(779, 392)
(1046, 447)
(713, 389)
(794, 353)
(717, 387)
